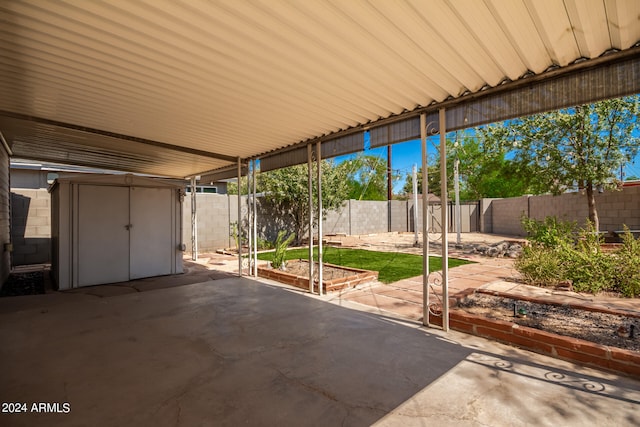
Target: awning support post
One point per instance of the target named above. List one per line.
(239, 227)
(444, 220)
(194, 221)
(425, 228)
(310, 188)
(250, 241)
(255, 223)
(319, 163)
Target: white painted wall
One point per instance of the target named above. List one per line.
(108, 229)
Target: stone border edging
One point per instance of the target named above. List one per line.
(567, 348)
(586, 307)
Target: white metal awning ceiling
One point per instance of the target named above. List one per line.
(180, 87)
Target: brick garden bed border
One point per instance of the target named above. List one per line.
(567, 348)
(358, 277)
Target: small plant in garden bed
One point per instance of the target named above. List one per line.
(281, 244)
(555, 256)
(391, 266)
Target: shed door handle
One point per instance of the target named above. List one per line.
(128, 226)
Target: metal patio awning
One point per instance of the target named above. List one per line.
(178, 88)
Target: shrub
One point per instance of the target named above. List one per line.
(550, 232)
(628, 263)
(264, 244)
(589, 269)
(553, 257)
(281, 245)
(540, 266)
(233, 233)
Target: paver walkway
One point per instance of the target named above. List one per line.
(404, 297)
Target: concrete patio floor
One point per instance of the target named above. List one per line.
(238, 351)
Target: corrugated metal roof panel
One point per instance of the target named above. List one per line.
(246, 78)
(68, 146)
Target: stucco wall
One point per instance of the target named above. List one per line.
(28, 178)
(5, 215)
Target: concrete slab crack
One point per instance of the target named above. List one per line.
(308, 387)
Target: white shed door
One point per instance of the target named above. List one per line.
(103, 238)
(151, 227)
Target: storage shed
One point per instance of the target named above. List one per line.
(114, 228)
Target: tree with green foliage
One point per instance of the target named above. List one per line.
(287, 190)
(484, 170)
(432, 181)
(581, 147)
(366, 177)
(487, 172)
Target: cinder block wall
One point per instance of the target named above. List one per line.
(338, 221)
(615, 209)
(468, 217)
(31, 223)
(399, 215)
(369, 216)
(506, 214)
(486, 215)
(212, 221)
(31, 226)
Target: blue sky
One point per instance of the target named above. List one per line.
(405, 155)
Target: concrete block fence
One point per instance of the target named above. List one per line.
(615, 209)
(30, 226)
(31, 217)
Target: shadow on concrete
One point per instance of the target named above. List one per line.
(241, 352)
(226, 352)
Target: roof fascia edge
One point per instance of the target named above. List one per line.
(243, 163)
(115, 135)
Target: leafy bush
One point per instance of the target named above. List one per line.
(281, 245)
(550, 232)
(553, 257)
(540, 266)
(589, 269)
(628, 263)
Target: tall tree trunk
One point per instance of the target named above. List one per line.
(591, 201)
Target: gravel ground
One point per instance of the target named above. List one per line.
(31, 283)
(602, 328)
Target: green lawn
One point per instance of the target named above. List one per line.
(391, 266)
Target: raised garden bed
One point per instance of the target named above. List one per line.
(614, 347)
(334, 277)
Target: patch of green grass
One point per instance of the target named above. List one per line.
(391, 266)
